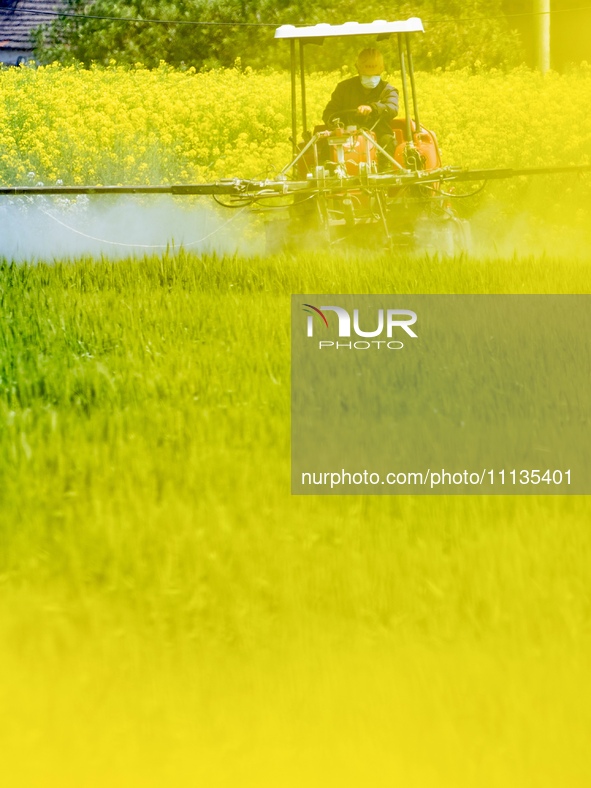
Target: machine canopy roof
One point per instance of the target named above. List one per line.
(379, 27)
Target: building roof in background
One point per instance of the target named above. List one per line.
(18, 19)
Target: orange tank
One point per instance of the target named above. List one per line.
(425, 142)
(355, 149)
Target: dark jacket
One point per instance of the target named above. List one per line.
(351, 94)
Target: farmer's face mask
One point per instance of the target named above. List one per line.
(370, 82)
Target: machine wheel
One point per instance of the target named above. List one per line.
(448, 237)
(462, 236)
(302, 228)
(277, 236)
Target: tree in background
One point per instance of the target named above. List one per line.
(459, 33)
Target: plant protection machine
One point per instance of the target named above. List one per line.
(341, 183)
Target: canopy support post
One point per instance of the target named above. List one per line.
(408, 129)
(411, 74)
(294, 118)
(303, 89)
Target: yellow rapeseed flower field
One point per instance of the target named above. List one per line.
(118, 124)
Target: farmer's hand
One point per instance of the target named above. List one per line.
(364, 109)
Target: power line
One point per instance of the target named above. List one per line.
(199, 23)
(140, 20)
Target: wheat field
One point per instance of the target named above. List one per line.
(171, 615)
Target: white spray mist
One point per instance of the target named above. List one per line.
(47, 228)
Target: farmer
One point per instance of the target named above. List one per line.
(367, 100)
